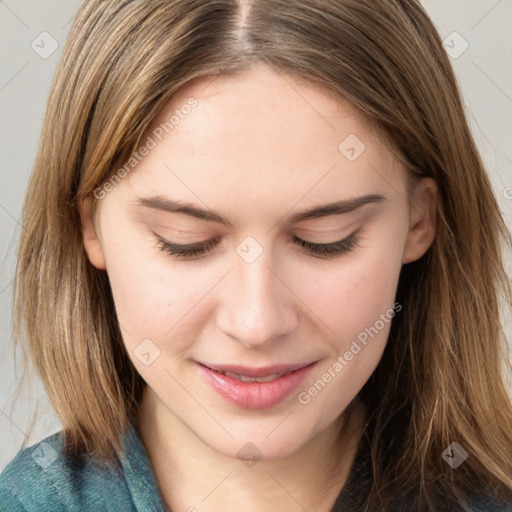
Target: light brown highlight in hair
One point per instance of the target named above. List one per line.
(440, 379)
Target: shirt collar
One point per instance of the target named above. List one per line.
(139, 475)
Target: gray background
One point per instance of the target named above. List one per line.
(483, 70)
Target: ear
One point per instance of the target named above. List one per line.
(422, 220)
(92, 242)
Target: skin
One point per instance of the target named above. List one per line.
(257, 148)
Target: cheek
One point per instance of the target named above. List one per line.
(350, 293)
(359, 308)
(153, 298)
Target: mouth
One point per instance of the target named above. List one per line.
(255, 388)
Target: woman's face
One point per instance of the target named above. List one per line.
(264, 162)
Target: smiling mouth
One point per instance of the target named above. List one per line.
(252, 387)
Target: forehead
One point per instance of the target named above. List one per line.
(261, 91)
(261, 132)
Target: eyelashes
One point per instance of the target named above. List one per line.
(329, 250)
(186, 251)
(192, 251)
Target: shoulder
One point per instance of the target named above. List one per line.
(488, 503)
(40, 478)
(477, 502)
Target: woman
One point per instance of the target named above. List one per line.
(261, 267)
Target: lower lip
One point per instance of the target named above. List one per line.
(255, 395)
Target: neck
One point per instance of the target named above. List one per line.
(194, 477)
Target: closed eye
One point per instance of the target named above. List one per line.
(192, 251)
(332, 249)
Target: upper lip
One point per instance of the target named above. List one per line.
(263, 371)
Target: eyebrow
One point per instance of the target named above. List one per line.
(159, 202)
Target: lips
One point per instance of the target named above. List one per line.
(255, 388)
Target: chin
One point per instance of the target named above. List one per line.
(261, 442)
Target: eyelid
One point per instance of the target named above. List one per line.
(331, 250)
(326, 227)
(213, 240)
(192, 245)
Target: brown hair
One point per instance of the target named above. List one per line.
(440, 379)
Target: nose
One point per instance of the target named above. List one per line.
(258, 305)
